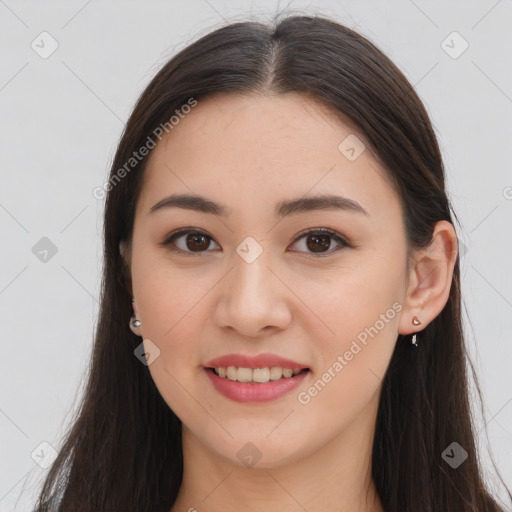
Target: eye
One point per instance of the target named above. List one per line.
(318, 239)
(196, 241)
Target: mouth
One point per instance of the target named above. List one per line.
(255, 385)
(255, 375)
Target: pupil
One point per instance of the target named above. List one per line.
(195, 238)
(325, 244)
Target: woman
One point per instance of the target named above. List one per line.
(280, 324)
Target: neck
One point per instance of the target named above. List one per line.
(336, 477)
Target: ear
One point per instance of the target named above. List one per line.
(122, 249)
(430, 279)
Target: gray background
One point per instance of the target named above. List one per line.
(61, 120)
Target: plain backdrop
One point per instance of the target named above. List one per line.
(70, 74)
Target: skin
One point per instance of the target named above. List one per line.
(249, 153)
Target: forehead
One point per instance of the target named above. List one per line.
(249, 150)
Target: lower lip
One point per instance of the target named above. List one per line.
(247, 392)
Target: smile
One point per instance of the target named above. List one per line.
(255, 385)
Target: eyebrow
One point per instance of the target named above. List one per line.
(283, 208)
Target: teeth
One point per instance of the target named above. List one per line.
(276, 373)
(287, 373)
(260, 375)
(244, 374)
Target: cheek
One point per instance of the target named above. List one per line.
(356, 366)
(169, 300)
(362, 312)
(359, 306)
(172, 321)
(350, 380)
(172, 315)
(176, 370)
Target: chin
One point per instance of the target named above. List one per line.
(253, 452)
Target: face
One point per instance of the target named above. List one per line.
(250, 279)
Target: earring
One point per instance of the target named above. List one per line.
(134, 323)
(415, 321)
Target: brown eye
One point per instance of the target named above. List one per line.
(190, 241)
(318, 243)
(320, 240)
(197, 241)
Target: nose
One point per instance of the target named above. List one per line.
(253, 300)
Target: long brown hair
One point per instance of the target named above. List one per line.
(123, 450)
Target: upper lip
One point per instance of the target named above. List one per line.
(259, 361)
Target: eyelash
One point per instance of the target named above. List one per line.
(322, 231)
